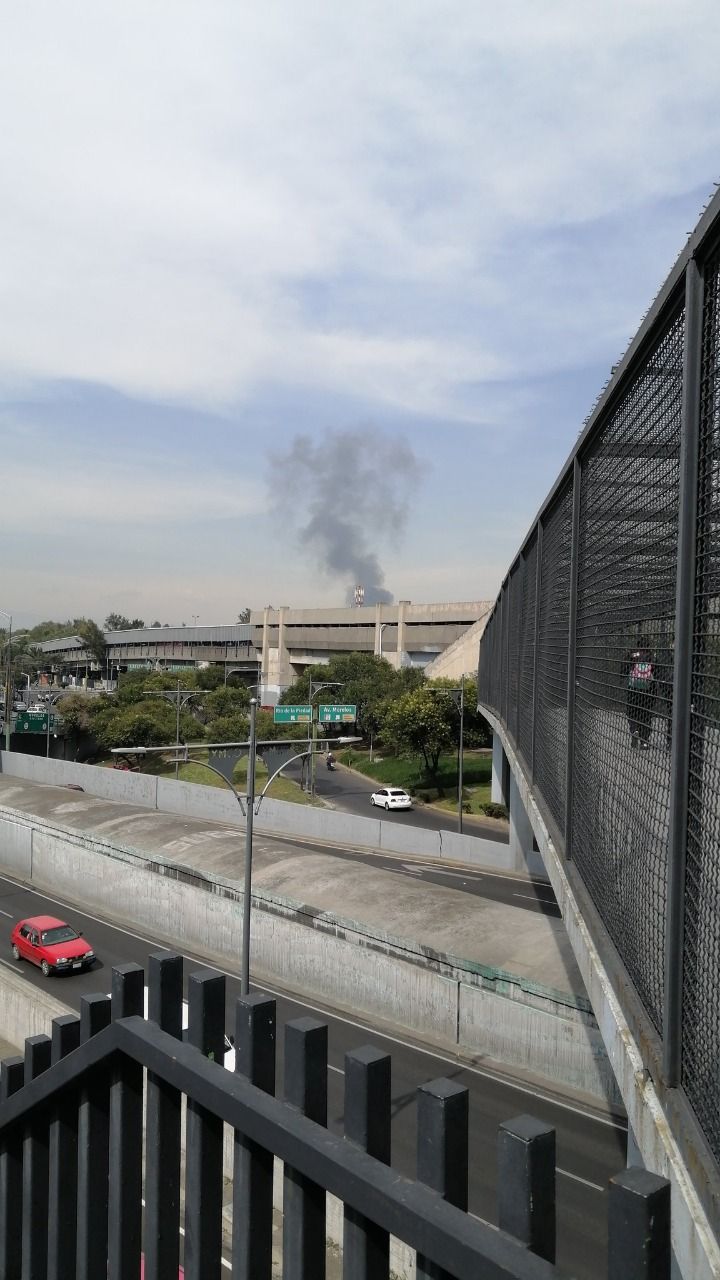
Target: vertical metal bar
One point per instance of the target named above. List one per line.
(247, 887)
(162, 1129)
(63, 1142)
(519, 583)
(126, 1137)
(507, 619)
(204, 1134)
(366, 1247)
(442, 1151)
(536, 646)
(35, 1171)
(93, 1150)
(639, 1226)
(526, 1184)
(255, 1021)
(682, 673)
(572, 646)
(303, 1200)
(12, 1077)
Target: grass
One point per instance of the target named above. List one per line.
(281, 789)
(441, 788)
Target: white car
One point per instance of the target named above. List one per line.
(391, 798)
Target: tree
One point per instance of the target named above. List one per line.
(94, 638)
(226, 702)
(118, 622)
(419, 723)
(229, 728)
(244, 615)
(365, 680)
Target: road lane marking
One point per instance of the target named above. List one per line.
(10, 915)
(548, 902)
(484, 1074)
(594, 1186)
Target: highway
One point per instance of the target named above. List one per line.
(350, 792)
(590, 1146)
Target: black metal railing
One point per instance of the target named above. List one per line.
(94, 1175)
(625, 555)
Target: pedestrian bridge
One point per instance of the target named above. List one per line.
(625, 554)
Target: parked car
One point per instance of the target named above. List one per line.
(52, 944)
(391, 798)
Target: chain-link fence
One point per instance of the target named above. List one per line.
(602, 661)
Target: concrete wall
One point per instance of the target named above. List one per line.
(276, 817)
(440, 998)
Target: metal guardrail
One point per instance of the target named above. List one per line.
(625, 555)
(77, 1129)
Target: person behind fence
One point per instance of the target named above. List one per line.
(640, 694)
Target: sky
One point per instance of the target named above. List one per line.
(298, 292)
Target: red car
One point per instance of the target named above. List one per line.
(54, 945)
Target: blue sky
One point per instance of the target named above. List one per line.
(228, 225)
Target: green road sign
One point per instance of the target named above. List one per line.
(338, 714)
(292, 715)
(33, 722)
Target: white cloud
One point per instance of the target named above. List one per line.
(111, 498)
(172, 173)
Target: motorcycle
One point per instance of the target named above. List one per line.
(330, 763)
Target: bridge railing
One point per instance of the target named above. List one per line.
(91, 1155)
(625, 556)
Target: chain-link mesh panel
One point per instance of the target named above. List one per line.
(515, 589)
(552, 657)
(488, 670)
(625, 626)
(504, 654)
(701, 959)
(527, 651)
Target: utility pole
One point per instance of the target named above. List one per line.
(315, 687)
(179, 697)
(8, 680)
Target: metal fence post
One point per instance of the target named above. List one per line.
(366, 1247)
(639, 1226)
(682, 673)
(12, 1076)
(526, 1184)
(93, 1150)
(572, 645)
(304, 1245)
(204, 1134)
(162, 1128)
(62, 1159)
(442, 1150)
(536, 643)
(126, 1136)
(255, 1022)
(35, 1180)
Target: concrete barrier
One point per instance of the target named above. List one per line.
(444, 999)
(25, 1010)
(16, 846)
(276, 817)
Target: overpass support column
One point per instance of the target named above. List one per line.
(522, 856)
(500, 783)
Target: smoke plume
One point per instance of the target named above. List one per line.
(345, 494)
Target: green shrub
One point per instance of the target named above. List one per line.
(492, 810)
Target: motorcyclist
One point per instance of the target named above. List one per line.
(330, 760)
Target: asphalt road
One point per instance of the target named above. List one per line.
(350, 792)
(590, 1147)
(526, 894)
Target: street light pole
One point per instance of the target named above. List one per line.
(179, 697)
(315, 687)
(458, 696)
(8, 680)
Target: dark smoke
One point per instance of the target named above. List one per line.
(342, 493)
